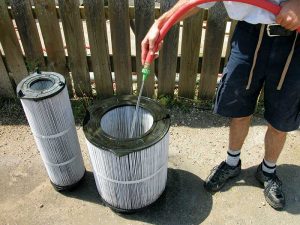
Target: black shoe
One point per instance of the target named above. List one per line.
(273, 188)
(220, 175)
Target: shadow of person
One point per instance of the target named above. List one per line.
(290, 177)
(184, 202)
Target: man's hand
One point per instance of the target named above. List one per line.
(148, 44)
(289, 16)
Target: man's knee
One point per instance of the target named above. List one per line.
(241, 119)
(276, 132)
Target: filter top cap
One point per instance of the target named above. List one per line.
(39, 86)
(120, 147)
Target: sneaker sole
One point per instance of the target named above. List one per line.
(272, 204)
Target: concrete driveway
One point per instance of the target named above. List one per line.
(198, 142)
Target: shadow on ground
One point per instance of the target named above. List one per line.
(290, 176)
(86, 191)
(184, 202)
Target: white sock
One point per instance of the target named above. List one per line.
(268, 166)
(233, 157)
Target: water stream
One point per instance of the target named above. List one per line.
(133, 124)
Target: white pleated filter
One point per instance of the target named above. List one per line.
(135, 180)
(53, 127)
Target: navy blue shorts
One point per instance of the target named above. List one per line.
(282, 107)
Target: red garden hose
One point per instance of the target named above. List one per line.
(264, 4)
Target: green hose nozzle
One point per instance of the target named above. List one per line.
(146, 71)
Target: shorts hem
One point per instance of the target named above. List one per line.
(231, 115)
(277, 127)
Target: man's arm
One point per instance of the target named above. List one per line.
(289, 16)
(152, 35)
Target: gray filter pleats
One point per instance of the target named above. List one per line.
(46, 103)
(130, 173)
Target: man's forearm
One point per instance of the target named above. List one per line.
(170, 12)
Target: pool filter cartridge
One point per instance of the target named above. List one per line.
(46, 103)
(130, 173)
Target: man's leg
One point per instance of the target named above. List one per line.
(266, 172)
(233, 100)
(282, 108)
(274, 142)
(230, 168)
(239, 128)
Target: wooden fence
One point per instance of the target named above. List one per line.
(52, 37)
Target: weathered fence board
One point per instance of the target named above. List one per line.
(190, 50)
(11, 46)
(120, 37)
(96, 24)
(168, 56)
(6, 89)
(56, 61)
(214, 40)
(121, 62)
(21, 9)
(73, 31)
(83, 14)
(144, 18)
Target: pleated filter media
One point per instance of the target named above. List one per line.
(130, 173)
(46, 103)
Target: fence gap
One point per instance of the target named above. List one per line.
(228, 49)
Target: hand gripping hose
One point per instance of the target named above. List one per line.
(264, 4)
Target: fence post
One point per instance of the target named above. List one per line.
(120, 36)
(47, 17)
(144, 18)
(22, 12)
(11, 46)
(6, 89)
(214, 39)
(72, 24)
(168, 56)
(190, 50)
(96, 24)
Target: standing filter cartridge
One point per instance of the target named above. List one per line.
(130, 173)
(46, 103)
